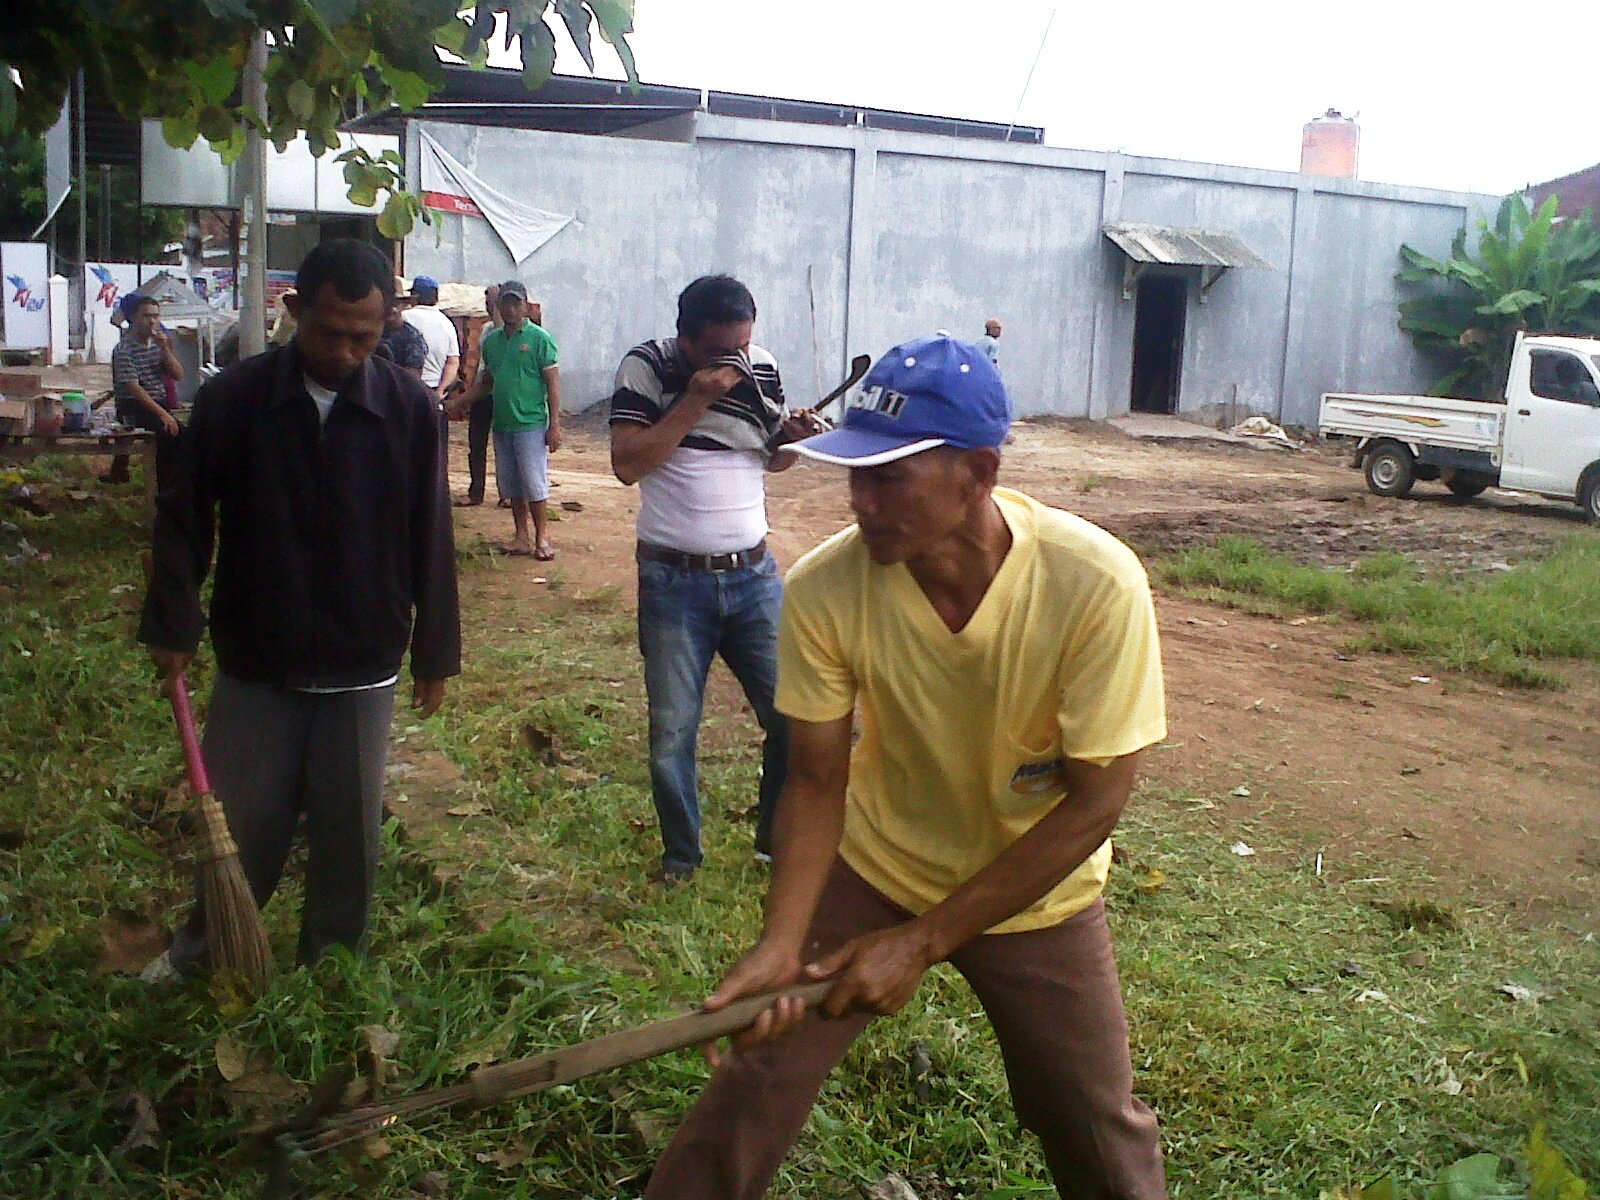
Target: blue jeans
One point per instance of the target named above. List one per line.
(686, 617)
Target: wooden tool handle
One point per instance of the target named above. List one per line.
(490, 1085)
(199, 782)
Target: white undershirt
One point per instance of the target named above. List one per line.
(320, 396)
(705, 501)
(323, 398)
(439, 331)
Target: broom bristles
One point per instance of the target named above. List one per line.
(234, 933)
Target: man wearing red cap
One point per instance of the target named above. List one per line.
(1003, 661)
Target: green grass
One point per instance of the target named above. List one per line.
(1505, 626)
(529, 926)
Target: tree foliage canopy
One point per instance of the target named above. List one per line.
(180, 61)
(1532, 271)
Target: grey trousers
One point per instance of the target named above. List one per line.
(274, 754)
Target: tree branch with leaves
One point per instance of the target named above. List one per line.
(179, 61)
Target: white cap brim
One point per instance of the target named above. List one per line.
(853, 448)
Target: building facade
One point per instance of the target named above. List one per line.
(853, 238)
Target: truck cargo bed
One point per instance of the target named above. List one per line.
(1429, 420)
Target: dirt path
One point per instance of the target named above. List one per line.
(1489, 791)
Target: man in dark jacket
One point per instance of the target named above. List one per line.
(315, 471)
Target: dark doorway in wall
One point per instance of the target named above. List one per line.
(1158, 342)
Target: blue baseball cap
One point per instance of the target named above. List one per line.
(424, 283)
(934, 391)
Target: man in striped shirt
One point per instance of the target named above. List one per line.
(141, 364)
(697, 421)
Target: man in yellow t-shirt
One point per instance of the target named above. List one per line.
(1001, 662)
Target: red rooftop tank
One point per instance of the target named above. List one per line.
(1331, 145)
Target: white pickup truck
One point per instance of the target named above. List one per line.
(1545, 437)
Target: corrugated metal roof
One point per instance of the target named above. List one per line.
(1187, 247)
(585, 104)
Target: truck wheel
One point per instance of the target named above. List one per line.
(1589, 497)
(1390, 470)
(1466, 486)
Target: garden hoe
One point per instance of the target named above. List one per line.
(317, 1128)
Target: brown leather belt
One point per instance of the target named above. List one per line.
(733, 560)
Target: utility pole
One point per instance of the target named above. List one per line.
(83, 219)
(253, 268)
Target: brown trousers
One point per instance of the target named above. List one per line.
(1054, 1000)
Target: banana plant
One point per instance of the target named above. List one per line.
(1531, 271)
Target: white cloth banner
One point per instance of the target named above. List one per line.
(57, 167)
(450, 187)
(26, 267)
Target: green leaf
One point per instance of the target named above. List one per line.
(577, 19)
(1512, 303)
(1473, 1178)
(1421, 261)
(336, 12)
(214, 79)
(398, 216)
(482, 28)
(410, 89)
(1379, 1189)
(301, 99)
(452, 36)
(180, 130)
(231, 10)
(538, 55)
(616, 22)
(364, 194)
(233, 149)
(215, 123)
(1552, 1178)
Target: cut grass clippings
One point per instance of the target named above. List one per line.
(1506, 627)
(1296, 1033)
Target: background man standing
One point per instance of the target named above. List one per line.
(408, 349)
(989, 343)
(439, 331)
(142, 364)
(480, 414)
(314, 469)
(519, 369)
(1004, 660)
(696, 421)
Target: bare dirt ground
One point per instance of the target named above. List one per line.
(1486, 795)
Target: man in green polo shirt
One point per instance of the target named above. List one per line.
(519, 369)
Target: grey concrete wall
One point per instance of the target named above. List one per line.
(958, 241)
(907, 233)
(1352, 332)
(651, 216)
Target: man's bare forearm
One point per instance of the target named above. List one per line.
(636, 450)
(1037, 861)
(471, 395)
(552, 384)
(806, 834)
(146, 399)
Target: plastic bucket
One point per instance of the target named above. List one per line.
(74, 412)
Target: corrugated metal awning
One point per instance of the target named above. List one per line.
(1183, 247)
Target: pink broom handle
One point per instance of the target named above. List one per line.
(199, 781)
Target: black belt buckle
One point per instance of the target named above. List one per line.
(715, 564)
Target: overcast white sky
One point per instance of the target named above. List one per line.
(1459, 95)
